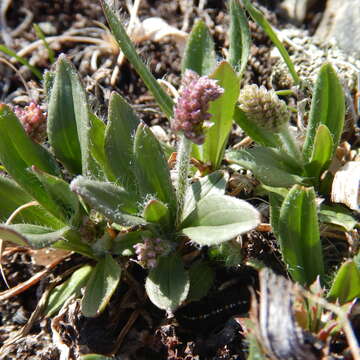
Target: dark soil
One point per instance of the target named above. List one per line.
(131, 327)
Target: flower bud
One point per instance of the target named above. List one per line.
(33, 121)
(149, 250)
(263, 107)
(192, 107)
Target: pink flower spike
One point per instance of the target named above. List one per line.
(193, 104)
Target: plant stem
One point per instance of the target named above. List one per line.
(289, 144)
(182, 170)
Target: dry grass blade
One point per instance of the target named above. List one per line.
(20, 288)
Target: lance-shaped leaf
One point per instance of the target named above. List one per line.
(214, 183)
(72, 286)
(321, 153)
(127, 47)
(35, 236)
(112, 201)
(276, 198)
(119, 138)
(4, 49)
(67, 203)
(259, 18)
(17, 155)
(68, 119)
(327, 108)
(101, 285)
(222, 111)
(97, 145)
(219, 218)
(258, 134)
(299, 235)
(271, 166)
(12, 197)
(14, 139)
(239, 37)
(346, 285)
(199, 54)
(152, 172)
(168, 283)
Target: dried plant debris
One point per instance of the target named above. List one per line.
(346, 185)
(281, 336)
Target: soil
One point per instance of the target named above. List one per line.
(131, 327)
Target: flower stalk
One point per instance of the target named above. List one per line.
(190, 114)
(182, 170)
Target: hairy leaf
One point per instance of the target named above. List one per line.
(168, 283)
(100, 287)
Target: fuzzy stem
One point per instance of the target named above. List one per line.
(289, 144)
(182, 170)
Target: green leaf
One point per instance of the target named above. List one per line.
(48, 83)
(228, 253)
(119, 140)
(255, 348)
(321, 153)
(73, 242)
(327, 108)
(299, 235)
(103, 281)
(259, 18)
(68, 288)
(128, 48)
(156, 211)
(257, 133)
(123, 244)
(15, 140)
(95, 357)
(214, 183)
(35, 236)
(113, 201)
(97, 145)
(152, 171)
(199, 53)
(276, 198)
(346, 285)
(219, 218)
(222, 111)
(201, 279)
(168, 283)
(271, 166)
(337, 214)
(12, 197)
(18, 153)
(239, 38)
(68, 119)
(39, 33)
(21, 60)
(67, 203)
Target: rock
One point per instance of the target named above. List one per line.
(341, 22)
(297, 9)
